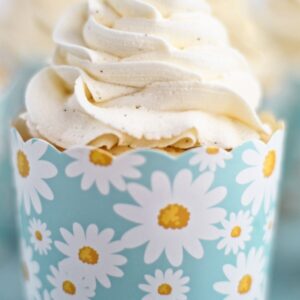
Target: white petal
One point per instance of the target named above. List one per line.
(140, 194)
(161, 185)
(44, 189)
(153, 252)
(135, 237)
(129, 212)
(74, 169)
(87, 181)
(103, 186)
(194, 248)
(46, 169)
(174, 255)
(36, 202)
(203, 183)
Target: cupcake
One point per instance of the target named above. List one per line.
(142, 166)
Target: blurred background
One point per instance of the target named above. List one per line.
(267, 32)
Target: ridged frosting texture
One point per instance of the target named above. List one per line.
(144, 73)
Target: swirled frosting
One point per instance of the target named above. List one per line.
(144, 73)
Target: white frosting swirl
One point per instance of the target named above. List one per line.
(144, 73)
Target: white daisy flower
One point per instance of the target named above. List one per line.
(30, 272)
(31, 173)
(40, 236)
(245, 279)
(236, 232)
(269, 227)
(93, 252)
(70, 284)
(210, 158)
(175, 217)
(263, 173)
(166, 286)
(99, 167)
(46, 296)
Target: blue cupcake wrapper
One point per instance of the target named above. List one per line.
(146, 224)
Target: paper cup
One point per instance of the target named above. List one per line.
(11, 103)
(286, 105)
(146, 225)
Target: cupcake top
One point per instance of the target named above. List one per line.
(281, 18)
(144, 73)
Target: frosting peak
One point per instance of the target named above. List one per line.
(144, 73)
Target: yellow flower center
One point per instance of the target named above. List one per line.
(23, 164)
(25, 272)
(88, 256)
(212, 150)
(270, 225)
(164, 289)
(69, 287)
(174, 216)
(236, 232)
(245, 284)
(100, 158)
(269, 164)
(38, 235)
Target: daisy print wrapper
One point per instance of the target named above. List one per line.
(146, 225)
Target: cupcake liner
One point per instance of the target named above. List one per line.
(11, 103)
(146, 225)
(286, 105)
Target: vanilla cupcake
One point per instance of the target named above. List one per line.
(111, 72)
(142, 165)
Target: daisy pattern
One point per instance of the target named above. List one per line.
(30, 271)
(166, 286)
(70, 284)
(210, 158)
(40, 236)
(31, 173)
(175, 217)
(46, 296)
(245, 279)
(269, 227)
(263, 173)
(236, 232)
(93, 252)
(101, 168)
